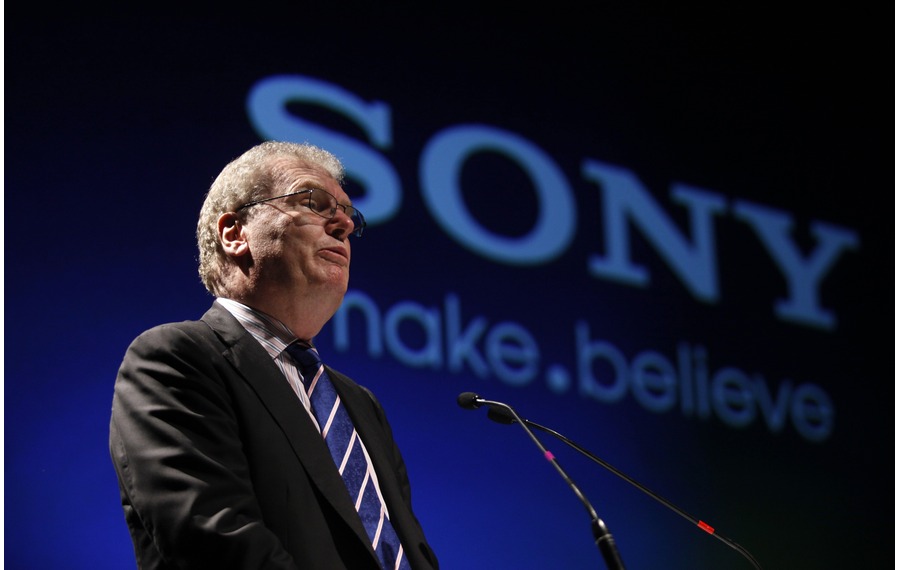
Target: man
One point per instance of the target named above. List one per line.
(221, 457)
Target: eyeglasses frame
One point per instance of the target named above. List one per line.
(357, 227)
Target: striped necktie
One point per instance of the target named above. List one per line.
(347, 452)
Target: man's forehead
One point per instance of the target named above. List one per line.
(300, 175)
(295, 168)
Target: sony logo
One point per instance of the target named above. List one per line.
(625, 203)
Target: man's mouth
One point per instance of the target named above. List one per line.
(337, 254)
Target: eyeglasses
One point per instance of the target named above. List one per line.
(322, 203)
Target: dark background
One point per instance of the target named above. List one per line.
(116, 125)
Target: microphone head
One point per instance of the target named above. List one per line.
(469, 400)
(500, 415)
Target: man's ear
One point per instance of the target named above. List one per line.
(233, 235)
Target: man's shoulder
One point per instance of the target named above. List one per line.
(193, 331)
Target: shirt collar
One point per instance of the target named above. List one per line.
(272, 334)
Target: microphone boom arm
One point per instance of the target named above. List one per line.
(501, 414)
(601, 535)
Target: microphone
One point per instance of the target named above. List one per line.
(502, 415)
(470, 401)
(601, 535)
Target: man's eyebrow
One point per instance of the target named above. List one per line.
(303, 185)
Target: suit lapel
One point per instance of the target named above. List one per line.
(255, 366)
(371, 429)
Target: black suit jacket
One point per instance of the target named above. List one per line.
(220, 466)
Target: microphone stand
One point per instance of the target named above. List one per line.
(601, 535)
(501, 414)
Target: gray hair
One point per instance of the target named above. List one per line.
(254, 175)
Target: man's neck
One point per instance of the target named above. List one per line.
(304, 318)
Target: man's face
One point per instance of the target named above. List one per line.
(295, 251)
